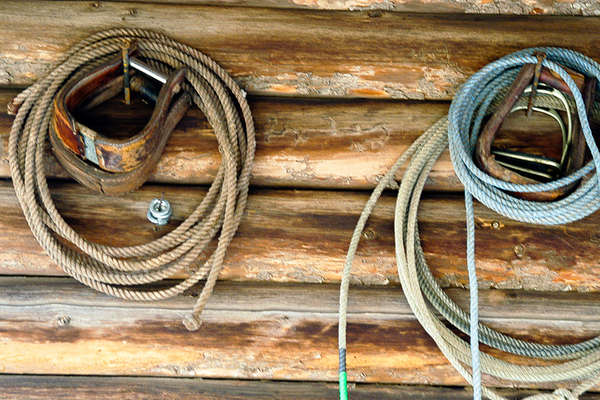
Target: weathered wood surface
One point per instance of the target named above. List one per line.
(302, 236)
(38, 387)
(286, 332)
(370, 54)
(511, 7)
(305, 143)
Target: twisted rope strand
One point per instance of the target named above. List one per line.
(109, 269)
(479, 97)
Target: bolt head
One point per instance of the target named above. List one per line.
(159, 212)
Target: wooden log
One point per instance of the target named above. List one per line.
(301, 143)
(42, 387)
(510, 7)
(376, 54)
(302, 236)
(253, 331)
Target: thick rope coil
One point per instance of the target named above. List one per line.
(477, 98)
(113, 270)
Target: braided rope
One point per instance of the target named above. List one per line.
(477, 98)
(108, 268)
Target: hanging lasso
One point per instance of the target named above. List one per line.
(113, 270)
(476, 99)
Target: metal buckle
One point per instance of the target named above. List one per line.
(534, 166)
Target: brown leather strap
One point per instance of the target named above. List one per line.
(551, 78)
(483, 152)
(578, 145)
(116, 183)
(114, 155)
(120, 165)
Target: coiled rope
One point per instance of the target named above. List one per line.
(113, 270)
(477, 98)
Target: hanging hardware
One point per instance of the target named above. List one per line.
(159, 211)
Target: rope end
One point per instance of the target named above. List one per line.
(343, 377)
(192, 322)
(343, 382)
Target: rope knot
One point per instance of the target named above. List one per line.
(193, 323)
(564, 394)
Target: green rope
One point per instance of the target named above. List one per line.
(343, 385)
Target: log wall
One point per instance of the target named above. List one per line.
(338, 89)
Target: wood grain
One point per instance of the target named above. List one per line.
(511, 7)
(285, 332)
(304, 143)
(41, 387)
(302, 236)
(298, 52)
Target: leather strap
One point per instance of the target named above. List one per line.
(114, 155)
(112, 166)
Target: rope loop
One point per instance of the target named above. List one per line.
(466, 114)
(564, 394)
(476, 99)
(114, 270)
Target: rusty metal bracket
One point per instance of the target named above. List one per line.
(536, 80)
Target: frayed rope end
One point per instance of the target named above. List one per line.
(192, 322)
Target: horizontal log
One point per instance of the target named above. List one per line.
(282, 332)
(302, 236)
(297, 52)
(42, 387)
(511, 7)
(301, 143)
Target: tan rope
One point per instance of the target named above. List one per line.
(420, 158)
(113, 270)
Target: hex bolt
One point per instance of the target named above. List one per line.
(159, 212)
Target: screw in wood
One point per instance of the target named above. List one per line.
(159, 211)
(63, 320)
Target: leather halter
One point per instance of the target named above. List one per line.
(573, 153)
(105, 164)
